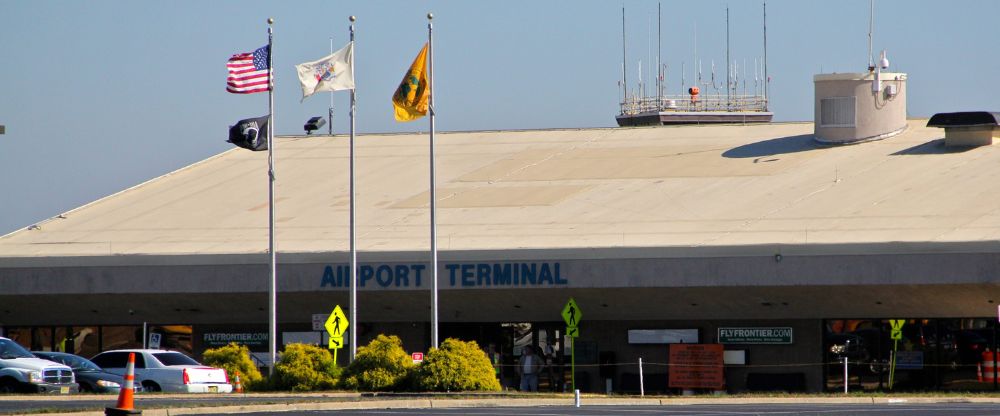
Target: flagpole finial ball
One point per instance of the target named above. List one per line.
(270, 21)
(430, 16)
(352, 18)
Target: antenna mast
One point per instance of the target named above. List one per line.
(659, 45)
(649, 54)
(624, 67)
(766, 79)
(683, 77)
(871, 25)
(729, 68)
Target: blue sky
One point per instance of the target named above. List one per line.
(101, 95)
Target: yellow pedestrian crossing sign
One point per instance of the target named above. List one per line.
(572, 314)
(336, 324)
(897, 328)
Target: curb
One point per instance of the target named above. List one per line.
(432, 403)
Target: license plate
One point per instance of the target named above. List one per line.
(213, 389)
(64, 390)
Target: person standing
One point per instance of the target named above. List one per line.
(528, 367)
(550, 355)
(495, 359)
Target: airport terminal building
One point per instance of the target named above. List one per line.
(789, 253)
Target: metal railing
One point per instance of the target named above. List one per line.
(688, 103)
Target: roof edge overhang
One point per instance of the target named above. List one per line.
(514, 254)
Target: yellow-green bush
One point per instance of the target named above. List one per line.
(234, 359)
(380, 366)
(456, 366)
(305, 367)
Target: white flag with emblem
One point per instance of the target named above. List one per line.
(331, 73)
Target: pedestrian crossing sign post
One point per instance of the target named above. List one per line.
(895, 334)
(572, 314)
(335, 325)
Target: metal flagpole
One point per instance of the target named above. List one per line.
(272, 293)
(354, 253)
(434, 255)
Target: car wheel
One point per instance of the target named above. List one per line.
(86, 388)
(8, 385)
(150, 386)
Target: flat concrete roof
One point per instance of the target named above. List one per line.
(858, 76)
(709, 188)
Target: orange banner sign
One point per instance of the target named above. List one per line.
(696, 366)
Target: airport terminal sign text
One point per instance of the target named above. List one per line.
(455, 274)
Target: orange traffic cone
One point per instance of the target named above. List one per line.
(124, 405)
(237, 387)
(979, 372)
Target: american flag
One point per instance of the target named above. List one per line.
(248, 72)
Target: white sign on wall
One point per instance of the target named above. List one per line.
(310, 338)
(318, 319)
(154, 340)
(663, 336)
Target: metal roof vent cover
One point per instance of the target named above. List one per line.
(967, 128)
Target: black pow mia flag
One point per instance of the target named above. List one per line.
(250, 133)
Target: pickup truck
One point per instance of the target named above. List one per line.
(20, 371)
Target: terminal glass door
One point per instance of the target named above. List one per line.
(930, 354)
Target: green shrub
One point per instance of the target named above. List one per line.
(456, 366)
(234, 359)
(305, 367)
(382, 365)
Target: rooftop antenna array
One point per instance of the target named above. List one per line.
(704, 102)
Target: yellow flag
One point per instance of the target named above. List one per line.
(410, 99)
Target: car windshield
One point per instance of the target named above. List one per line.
(73, 361)
(10, 349)
(174, 358)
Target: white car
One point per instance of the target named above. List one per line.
(167, 371)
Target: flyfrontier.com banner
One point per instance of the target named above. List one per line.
(758, 335)
(219, 339)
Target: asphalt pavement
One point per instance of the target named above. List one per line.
(923, 409)
(82, 403)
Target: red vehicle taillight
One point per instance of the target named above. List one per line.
(187, 380)
(225, 373)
